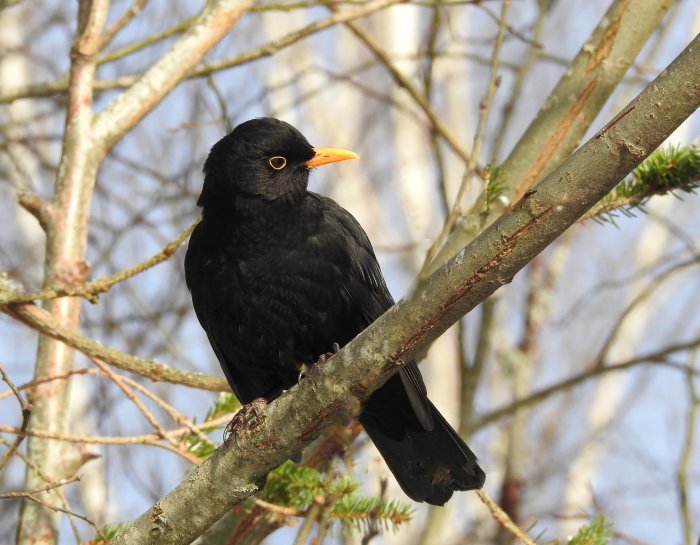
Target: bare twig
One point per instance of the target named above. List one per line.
(31, 495)
(653, 358)
(120, 23)
(60, 85)
(570, 108)
(457, 211)
(37, 318)
(121, 384)
(26, 414)
(503, 519)
(147, 439)
(417, 96)
(64, 376)
(45, 488)
(90, 290)
(177, 416)
(684, 463)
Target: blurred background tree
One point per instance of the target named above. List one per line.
(100, 167)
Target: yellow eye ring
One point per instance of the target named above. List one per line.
(277, 162)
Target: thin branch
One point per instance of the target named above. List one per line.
(177, 416)
(63, 376)
(503, 519)
(309, 520)
(417, 96)
(653, 358)
(121, 384)
(644, 294)
(26, 414)
(571, 107)
(123, 113)
(46, 488)
(146, 439)
(59, 509)
(47, 479)
(684, 463)
(457, 211)
(109, 33)
(60, 85)
(533, 42)
(90, 290)
(26, 407)
(40, 320)
(522, 70)
(152, 39)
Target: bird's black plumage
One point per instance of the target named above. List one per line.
(278, 274)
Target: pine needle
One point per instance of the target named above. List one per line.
(666, 170)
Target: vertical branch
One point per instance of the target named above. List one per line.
(418, 97)
(64, 265)
(471, 371)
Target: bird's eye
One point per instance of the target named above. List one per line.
(277, 162)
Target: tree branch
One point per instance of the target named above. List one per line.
(570, 108)
(215, 20)
(37, 318)
(66, 241)
(91, 290)
(339, 387)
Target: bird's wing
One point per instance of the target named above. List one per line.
(417, 394)
(366, 291)
(213, 280)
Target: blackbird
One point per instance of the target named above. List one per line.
(280, 275)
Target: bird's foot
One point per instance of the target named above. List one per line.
(323, 358)
(306, 370)
(250, 412)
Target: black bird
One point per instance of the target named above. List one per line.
(279, 275)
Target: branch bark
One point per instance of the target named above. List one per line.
(338, 388)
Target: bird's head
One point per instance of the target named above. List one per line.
(263, 157)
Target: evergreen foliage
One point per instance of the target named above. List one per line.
(225, 403)
(298, 487)
(666, 170)
(597, 532)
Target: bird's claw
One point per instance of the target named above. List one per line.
(323, 358)
(302, 372)
(249, 412)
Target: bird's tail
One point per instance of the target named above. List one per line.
(428, 464)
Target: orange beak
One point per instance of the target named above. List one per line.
(330, 155)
